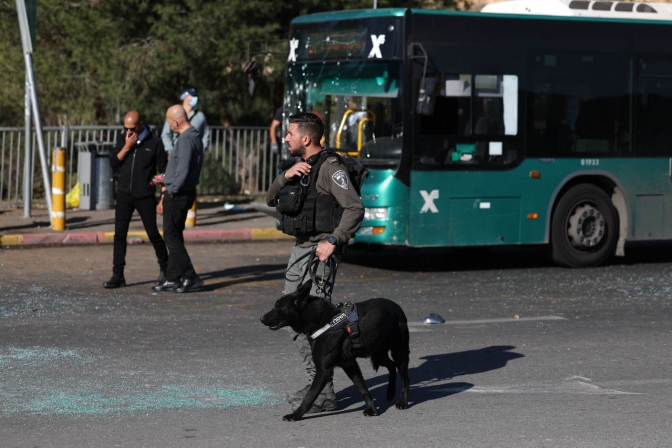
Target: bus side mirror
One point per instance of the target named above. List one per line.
(427, 96)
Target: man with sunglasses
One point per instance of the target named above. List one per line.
(137, 156)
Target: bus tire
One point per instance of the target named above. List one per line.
(584, 229)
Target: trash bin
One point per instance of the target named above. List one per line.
(95, 175)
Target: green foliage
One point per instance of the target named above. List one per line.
(96, 59)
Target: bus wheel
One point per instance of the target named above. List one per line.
(584, 231)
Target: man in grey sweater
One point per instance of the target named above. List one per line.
(179, 190)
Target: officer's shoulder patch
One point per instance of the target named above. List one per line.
(340, 178)
(332, 159)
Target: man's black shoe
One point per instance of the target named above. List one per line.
(161, 280)
(115, 282)
(189, 284)
(165, 286)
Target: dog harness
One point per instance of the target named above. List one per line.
(335, 321)
(353, 324)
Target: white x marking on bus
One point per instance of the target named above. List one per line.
(377, 41)
(293, 46)
(429, 201)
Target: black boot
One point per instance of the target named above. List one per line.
(166, 286)
(162, 278)
(116, 281)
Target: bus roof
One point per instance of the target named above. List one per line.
(550, 9)
(583, 8)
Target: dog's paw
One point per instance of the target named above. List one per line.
(402, 405)
(370, 412)
(291, 417)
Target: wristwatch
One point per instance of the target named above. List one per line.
(332, 239)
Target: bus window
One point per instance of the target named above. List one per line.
(358, 103)
(602, 6)
(624, 7)
(472, 116)
(646, 8)
(653, 108)
(575, 110)
(579, 4)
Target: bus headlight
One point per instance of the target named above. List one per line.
(375, 213)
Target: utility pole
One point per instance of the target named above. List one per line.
(31, 96)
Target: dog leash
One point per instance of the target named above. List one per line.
(312, 267)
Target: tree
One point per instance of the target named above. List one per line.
(95, 59)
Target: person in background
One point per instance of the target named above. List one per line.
(196, 118)
(182, 173)
(138, 155)
(276, 124)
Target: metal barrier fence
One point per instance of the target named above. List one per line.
(238, 160)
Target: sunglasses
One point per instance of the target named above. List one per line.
(131, 129)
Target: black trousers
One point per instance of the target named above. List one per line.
(175, 211)
(146, 207)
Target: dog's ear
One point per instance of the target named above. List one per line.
(303, 292)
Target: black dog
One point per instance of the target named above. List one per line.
(382, 328)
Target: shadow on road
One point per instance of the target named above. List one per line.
(482, 258)
(446, 259)
(242, 274)
(435, 369)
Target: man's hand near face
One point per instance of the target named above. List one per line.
(131, 140)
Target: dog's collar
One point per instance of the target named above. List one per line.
(335, 321)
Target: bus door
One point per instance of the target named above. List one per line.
(461, 194)
(650, 177)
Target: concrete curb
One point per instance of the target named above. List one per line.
(200, 236)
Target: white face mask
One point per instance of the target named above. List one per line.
(193, 101)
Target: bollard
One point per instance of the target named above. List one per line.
(58, 189)
(191, 217)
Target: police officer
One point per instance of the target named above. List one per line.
(326, 215)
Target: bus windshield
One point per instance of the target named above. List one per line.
(359, 103)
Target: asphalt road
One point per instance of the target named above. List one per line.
(531, 355)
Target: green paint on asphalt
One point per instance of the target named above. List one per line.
(36, 355)
(48, 381)
(84, 402)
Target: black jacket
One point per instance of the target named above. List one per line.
(140, 165)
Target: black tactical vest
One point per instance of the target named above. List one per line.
(302, 211)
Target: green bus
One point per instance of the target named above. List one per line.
(500, 128)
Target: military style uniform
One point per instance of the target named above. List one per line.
(332, 180)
